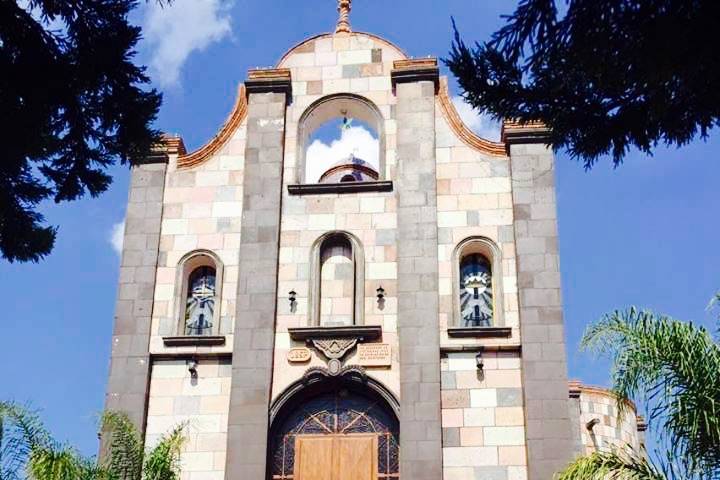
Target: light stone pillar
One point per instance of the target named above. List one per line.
(128, 383)
(268, 93)
(549, 432)
(415, 84)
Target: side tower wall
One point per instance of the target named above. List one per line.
(257, 281)
(128, 383)
(548, 427)
(420, 439)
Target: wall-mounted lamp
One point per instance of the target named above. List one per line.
(380, 297)
(589, 425)
(291, 297)
(192, 367)
(479, 362)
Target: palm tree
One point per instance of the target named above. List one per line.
(20, 431)
(26, 446)
(674, 367)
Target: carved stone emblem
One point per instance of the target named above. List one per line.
(334, 350)
(335, 342)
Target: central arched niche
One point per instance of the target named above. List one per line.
(321, 407)
(332, 112)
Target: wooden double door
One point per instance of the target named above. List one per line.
(335, 435)
(336, 457)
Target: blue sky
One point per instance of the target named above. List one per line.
(645, 233)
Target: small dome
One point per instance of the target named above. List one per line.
(349, 169)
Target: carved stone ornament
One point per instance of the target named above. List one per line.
(334, 350)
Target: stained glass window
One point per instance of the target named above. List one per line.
(338, 413)
(200, 302)
(476, 293)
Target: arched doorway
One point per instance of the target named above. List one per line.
(334, 428)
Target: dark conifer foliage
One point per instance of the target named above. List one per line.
(605, 75)
(72, 104)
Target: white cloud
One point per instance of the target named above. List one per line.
(172, 32)
(356, 140)
(481, 125)
(117, 234)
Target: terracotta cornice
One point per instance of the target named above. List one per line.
(161, 151)
(415, 70)
(461, 130)
(266, 80)
(415, 63)
(237, 115)
(173, 145)
(576, 387)
(269, 74)
(514, 132)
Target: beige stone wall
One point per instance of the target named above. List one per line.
(474, 200)
(482, 417)
(202, 206)
(610, 432)
(201, 403)
(358, 64)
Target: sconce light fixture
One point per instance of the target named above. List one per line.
(291, 297)
(192, 367)
(380, 293)
(479, 363)
(589, 425)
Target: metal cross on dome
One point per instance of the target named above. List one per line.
(343, 24)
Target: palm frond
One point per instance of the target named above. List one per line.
(162, 462)
(124, 447)
(675, 367)
(47, 463)
(612, 465)
(20, 431)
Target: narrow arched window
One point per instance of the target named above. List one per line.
(200, 302)
(476, 293)
(478, 284)
(337, 282)
(198, 295)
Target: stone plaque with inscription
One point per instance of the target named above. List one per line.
(374, 354)
(298, 355)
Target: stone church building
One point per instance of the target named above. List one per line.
(393, 317)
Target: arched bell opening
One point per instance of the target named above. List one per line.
(328, 424)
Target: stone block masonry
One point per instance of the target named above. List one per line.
(420, 441)
(130, 358)
(257, 285)
(549, 431)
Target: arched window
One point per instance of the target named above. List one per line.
(476, 295)
(337, 281)
(347, 178)
(198, 302)
(340, 140)
(478, 298)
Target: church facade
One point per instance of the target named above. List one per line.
(399, 317)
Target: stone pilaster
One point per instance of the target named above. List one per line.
(549, 431)
(268, 93)
(127, 387)
(420, 424)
